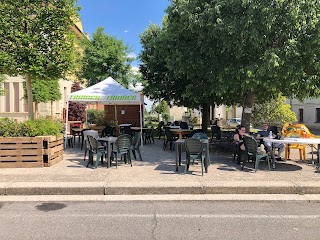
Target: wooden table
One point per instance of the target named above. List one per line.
(138, 128)
(110, 141)
(180, 132)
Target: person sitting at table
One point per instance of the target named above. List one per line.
(268, 145)
(238, 139)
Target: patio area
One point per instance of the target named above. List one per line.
(158, 166)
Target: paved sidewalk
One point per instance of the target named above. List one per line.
(156, 175)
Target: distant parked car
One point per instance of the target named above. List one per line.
(235, 122)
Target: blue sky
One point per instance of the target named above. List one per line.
(124, 19)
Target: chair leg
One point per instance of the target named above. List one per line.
(257, 163)
(134, 154)
(129, 157)
(90, 160)
(99, 155)
(300, 154)
(85, 154)
(187, 165)
(202, 164)
(268, 159)
(138, 150)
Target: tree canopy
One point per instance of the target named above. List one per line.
(105, 56)
(36, 40)
(233, 52)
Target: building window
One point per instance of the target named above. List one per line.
(318, 114)
(300, 114)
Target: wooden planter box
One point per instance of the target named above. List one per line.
(28, 152)
(52, 150)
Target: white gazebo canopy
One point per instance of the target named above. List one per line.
(107, 92)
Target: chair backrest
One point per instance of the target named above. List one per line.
(169, 134)
(193, 146)
(251, 145)
(128, 130)
(184, 125)
(92, 133)
(93, 143)
(136, 139)
(75, 125)
(200, 135)
(107, 131)
(124, 142)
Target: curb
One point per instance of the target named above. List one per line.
(162, 188)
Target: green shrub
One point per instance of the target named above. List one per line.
(97, 117)
(9, 128)
(30, 128)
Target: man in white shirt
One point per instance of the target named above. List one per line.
(268, 145)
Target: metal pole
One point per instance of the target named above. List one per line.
(66, 131)
(141, 122)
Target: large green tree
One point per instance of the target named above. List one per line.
(234, 52)
(269, 47)
(106, 56)
(36, 40)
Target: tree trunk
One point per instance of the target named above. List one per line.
(36, 112)
(51, 109)
(205, 116)
(247, 110)
(30, 97)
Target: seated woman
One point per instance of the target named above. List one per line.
(238, 139)
(239, 135)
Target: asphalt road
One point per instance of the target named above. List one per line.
(159, 220)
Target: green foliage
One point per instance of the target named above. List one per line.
(220, 52)
(43, 90)
(150, 118)
(30, 128)
(97, 117)
(106, 56)
(275, 112)
(161, 108)
(36, 40)
(2, 90)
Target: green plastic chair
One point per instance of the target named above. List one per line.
(194, 151)
(123, 147)
(251, 151)
(96, 149)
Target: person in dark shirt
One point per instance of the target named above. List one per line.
(268, 145)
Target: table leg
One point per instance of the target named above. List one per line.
(207, 160)
(109, 155)
(318, 153)
(180, 152)
(177, 156)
